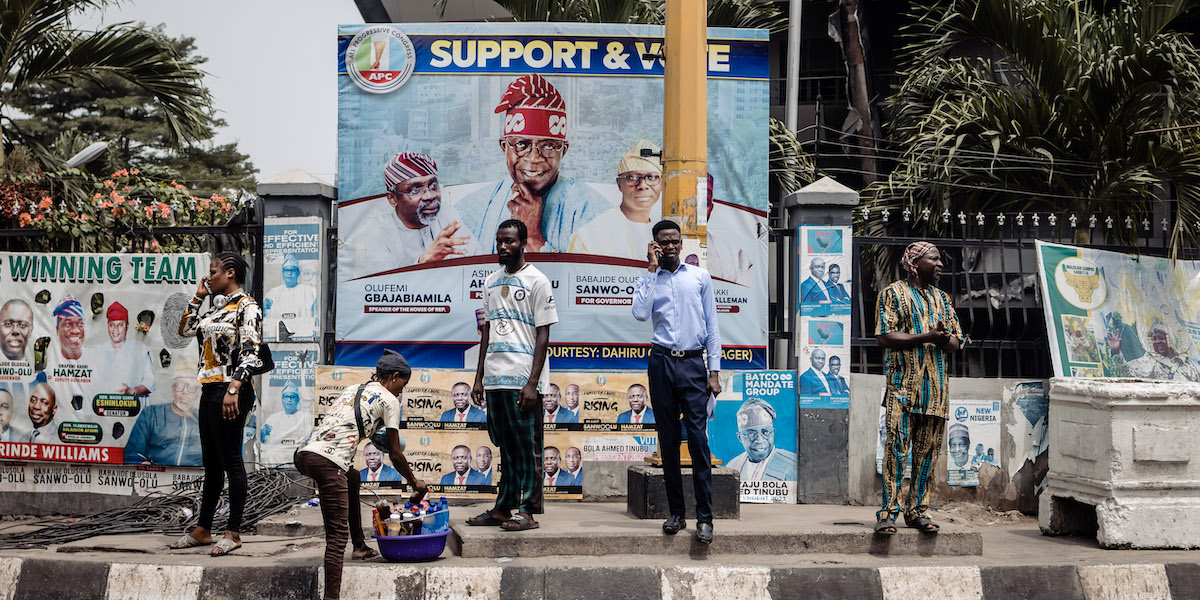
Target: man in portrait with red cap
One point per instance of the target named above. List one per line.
(534, 142)
(918, 327)
(415, 227)
(124, 366)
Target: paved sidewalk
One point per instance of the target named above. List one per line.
(1016, 562)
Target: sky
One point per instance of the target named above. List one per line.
(271, 70)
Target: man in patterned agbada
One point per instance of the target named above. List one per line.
(918, 328)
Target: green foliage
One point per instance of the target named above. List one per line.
(721, 13)
(1048, 105)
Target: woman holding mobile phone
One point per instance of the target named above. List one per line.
(229, 336)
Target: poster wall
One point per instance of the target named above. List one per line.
(286, 402)
(823, 312)
(1110, 314)
(292, 279)
(972, 438)
(93, 369)
(755, 431)
(439, 138)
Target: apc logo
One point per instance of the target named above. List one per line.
(425, 441)
(426, 377)
(960, 413)
(380, 59)
(601, 380)
(337, 376)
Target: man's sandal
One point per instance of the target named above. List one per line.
(187, 541)
(368, 555)
(519, 522)
(885, 527)
(224, 547)
(485, 518)
(923, 524)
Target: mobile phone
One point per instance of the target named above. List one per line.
(658, 256)
(206, 286)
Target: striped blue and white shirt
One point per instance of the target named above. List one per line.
(516, 305)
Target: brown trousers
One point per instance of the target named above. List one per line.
(339, 509)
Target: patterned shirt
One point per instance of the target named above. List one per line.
(916, 377)
(336, 437)
(516, 305)
(219, 331)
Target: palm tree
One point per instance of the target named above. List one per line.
(38, 44)
(1049, 105)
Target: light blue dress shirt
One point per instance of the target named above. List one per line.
(684, 310)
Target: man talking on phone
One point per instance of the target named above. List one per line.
(678, 299)
(918, 327)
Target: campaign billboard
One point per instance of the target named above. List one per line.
(446, 130)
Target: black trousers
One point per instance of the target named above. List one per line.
(221, 449)
(678, 385)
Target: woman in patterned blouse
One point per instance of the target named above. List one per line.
(229, 335)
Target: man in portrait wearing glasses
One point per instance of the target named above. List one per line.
(534, 143)
(16, 327)
(621, 230)
(169, 434)
(416, 228)
(293, 303)
(761, 461)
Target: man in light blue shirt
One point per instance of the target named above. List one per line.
(679, 300)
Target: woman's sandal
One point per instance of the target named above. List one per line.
(485, 518)
(923, 524)
(885, 527)
(519, 522)
(371, 553)
(224, 547)
(187, 541)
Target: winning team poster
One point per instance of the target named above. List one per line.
(445, 129)
(1110, 314)
(93, 368)
(755, 431)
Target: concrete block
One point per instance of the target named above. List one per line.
(821, 462)
(523, 583)
(462, 583)
(10, 572)
(153, 582)
(825, 583)
(605, 481)
(1160, 444)
(1031, 582)
(264, 582)
(947, 583)
(648, 493)
(381, 583)
(42, 578)
(1124, 582)
(618, 583)
(1184, 579)
(727, 583)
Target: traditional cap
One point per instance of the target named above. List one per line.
(958, 430)
(186, 368)
(290, 386)
(913, 253)
(743, 413)
(534, 108)
(290, 260)
(69, 307)
(634, 162)
(406, 165)
(116, 312)
(392, 362)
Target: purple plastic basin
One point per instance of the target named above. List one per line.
(412, 548)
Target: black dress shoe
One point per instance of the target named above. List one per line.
(704, 533)
(674, 524)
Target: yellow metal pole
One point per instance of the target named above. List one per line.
(685, 124)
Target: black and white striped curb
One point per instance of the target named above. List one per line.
(36, 579)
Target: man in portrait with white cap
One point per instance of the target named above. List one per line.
(294, 303)
(621, 230)
(283, 430)
(415, 227)
(169, 434)
(761, 461)
(551, 206)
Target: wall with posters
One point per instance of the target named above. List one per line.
(412, 256)
(755, 431)
(823, 312)
(93, 370)
(1110, 314)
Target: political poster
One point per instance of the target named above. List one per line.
(972, 438)
(1030, 427)
(109, 480)
(881, 443)
(93, 368)
(825, 362)
(755, 431)
(446, 130)
(825, 265)
(1110, 314)
(292, 278)
(285, 416)
(620, 448)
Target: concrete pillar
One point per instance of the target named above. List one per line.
(821, 211)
